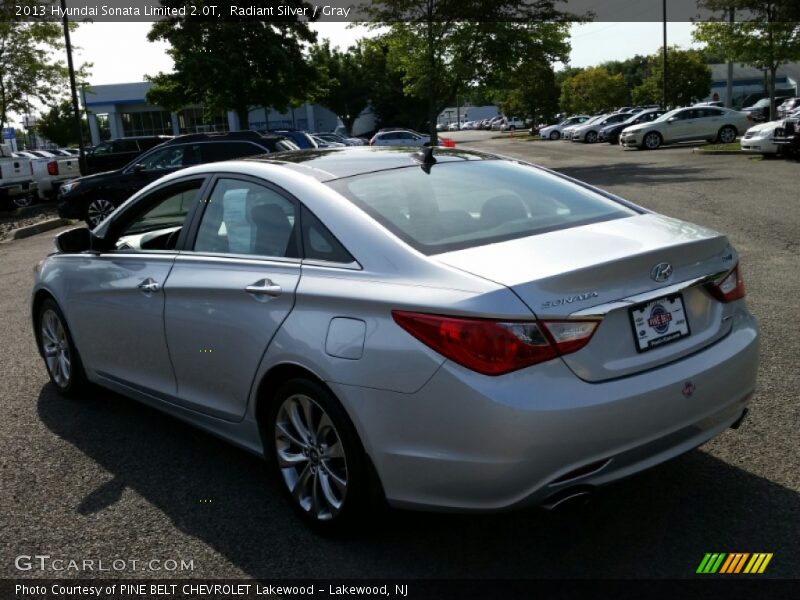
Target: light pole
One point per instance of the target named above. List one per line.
(664, 58)
(75, 106)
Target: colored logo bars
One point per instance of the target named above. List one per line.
(736, 562)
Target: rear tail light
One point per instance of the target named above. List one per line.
(52, 168)
(496, 347)
(730, 287)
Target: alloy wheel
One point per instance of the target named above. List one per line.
(591, 137)
(98, 210)
(727, 135)
(311, 457)
(55, 347)
(23, 201)
(652, 141)
(554, 135)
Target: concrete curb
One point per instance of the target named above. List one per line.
(726, 152)
(42, 226)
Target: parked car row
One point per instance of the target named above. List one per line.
(651, 127)
(28, 175)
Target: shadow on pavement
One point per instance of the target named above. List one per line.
(638, 173)
(658, 524)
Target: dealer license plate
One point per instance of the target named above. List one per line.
(659, 322)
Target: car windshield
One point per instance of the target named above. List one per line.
(464, 205)
(668, 115)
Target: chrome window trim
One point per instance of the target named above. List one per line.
(324, 264)
(250, 259)
(603, 309)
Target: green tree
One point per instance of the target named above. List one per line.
(343, 82)
(759, 37)
(688, 79)
(233, 65)
(387, 96)
(535, 96)
(634, 70)
(31, 69)
(58, 124)
(593, 90)
(444, 47)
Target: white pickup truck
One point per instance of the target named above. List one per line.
(17, 187)
(50, 171)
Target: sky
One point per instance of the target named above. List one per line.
(120, 52)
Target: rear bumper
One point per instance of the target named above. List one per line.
(470, 442)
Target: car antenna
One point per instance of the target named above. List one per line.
(425, 157)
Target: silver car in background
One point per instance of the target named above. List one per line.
(445, 329)
(695, 123)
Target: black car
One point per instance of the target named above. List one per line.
(115, 154)
(94, 197)
(610, 133)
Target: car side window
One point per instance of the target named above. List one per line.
(171, 157)
(242, 217)
(162, 217)
(218, 151)
(126, 146)
(102, 149)
(319, 243)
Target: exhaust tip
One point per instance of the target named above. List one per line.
(570, 497)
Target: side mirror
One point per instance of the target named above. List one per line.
(74, 240)
(138, 168)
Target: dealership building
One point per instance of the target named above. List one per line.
(749, 80)
(122, 110)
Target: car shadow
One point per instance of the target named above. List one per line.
(656, 525)
(638, 173)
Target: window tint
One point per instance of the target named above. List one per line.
(319, 243)
(217, 151)
(102, 149)
(160, 222)
(171, 157)
(462, 205)
(246, 218)
(126, 146)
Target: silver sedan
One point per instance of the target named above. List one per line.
(444, 329)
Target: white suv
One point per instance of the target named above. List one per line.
(511, 124)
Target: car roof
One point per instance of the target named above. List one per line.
(335, 163)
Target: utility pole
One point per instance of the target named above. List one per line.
(75, 107)
(729, 87)
(664, 58)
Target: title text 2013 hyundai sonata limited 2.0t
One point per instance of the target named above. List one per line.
(452, 329)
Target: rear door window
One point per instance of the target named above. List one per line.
(218, 151)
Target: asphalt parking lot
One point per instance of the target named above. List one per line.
(106, 478)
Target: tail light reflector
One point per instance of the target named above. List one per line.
(52, 168)
(496, 347)
(730, 288)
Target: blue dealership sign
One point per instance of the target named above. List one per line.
(8, 133)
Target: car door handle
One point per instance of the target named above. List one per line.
(149, 286)
(264, 286)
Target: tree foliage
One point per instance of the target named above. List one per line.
(344, 80)
(58, 124)
(535, 95)
(688, 79)
(593, 90)
(444, 47)
(760, 36)
(31, 65)
(232, 65)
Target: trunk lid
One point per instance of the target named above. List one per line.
(604, 267)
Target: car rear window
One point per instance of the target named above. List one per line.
(463, 205)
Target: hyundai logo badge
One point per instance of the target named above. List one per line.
(661, 272)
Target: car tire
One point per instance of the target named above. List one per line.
(555, 135)
(23, 201)
(322, 468)
(590, 137)
(727, 134)
(61, 358)
(652, 141)
(512, 128)
(97, 210)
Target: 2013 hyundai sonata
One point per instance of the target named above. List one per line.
(451, 329)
